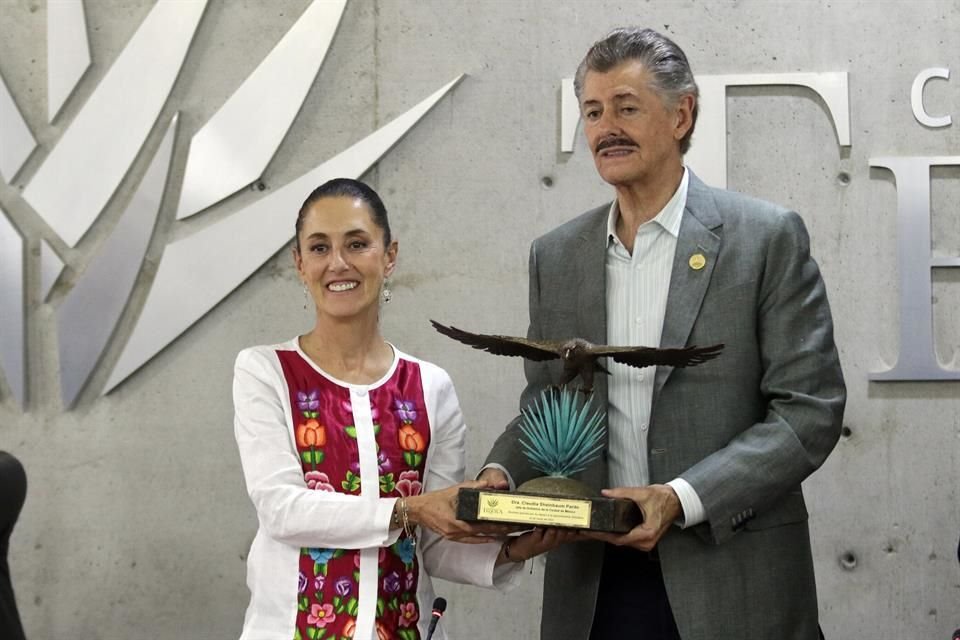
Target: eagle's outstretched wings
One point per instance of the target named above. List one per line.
(540, 350)
(650, 356)
(503, 345)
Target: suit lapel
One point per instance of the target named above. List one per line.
(699, 237)
(591, 257)
(591, 261)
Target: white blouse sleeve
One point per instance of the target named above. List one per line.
(446, 559)
(288, 511)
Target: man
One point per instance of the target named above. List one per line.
(714, 455)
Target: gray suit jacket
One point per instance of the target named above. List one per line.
(744, 430)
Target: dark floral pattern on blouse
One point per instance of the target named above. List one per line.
(325, 433)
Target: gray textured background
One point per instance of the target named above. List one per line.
(137, 522)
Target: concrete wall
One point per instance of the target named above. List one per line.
(137, 523)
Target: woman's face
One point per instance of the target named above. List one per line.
(342, 259)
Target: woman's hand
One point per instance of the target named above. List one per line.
(437, 510)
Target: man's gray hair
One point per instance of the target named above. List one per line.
(666, 62)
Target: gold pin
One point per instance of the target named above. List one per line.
(697, 261)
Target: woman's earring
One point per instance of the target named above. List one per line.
(306, 297)
(385, 294)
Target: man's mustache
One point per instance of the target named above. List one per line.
(620, 141)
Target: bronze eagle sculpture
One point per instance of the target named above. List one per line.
(579, 356)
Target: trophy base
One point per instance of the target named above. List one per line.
(539, 503)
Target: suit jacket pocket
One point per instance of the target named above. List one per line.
(790, 510)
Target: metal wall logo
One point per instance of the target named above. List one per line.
(74, 186)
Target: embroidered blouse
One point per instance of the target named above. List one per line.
(325, 563)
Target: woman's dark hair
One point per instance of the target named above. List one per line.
(347, 188)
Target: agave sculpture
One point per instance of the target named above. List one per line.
(563, 434)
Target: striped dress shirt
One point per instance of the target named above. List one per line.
(637, 287)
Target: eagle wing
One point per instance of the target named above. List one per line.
(649, 356)
(502, 345)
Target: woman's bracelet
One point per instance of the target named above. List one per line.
(402, 513)
(396, 522)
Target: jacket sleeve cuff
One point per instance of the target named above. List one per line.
(494, 465)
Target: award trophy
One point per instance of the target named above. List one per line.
(562, 435)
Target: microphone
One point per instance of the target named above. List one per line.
(439, 606)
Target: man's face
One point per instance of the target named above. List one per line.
(633, 135)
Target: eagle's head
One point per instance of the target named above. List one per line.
(575, 348)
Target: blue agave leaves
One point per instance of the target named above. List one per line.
(562, 436)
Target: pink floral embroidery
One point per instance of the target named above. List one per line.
(409, 484)
(321, 615)
(347, 407)
(408, 614)
(318, 480)
(380, 557)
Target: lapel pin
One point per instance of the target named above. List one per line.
(697, 261)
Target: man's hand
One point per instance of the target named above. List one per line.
(495, 478)
(660, 506)
(535, 542)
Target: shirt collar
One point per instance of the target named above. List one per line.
(669, 217)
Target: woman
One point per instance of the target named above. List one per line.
(336, 555)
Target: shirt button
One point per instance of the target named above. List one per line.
(640, 375)
(643, 427)
(359, 392)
